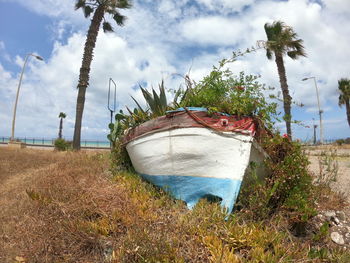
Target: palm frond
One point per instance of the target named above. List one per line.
(269, 53)
(88, 10)
(283, 40)
(119, 19)
(344, 90)
(62, 115)
(107, 27)
(123, 4)
(341, 100)
(79, 4)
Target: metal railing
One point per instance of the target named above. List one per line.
(50, 142)
(325, 142)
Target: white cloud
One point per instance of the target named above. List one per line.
(60, 9)
(337, 6)
(213, 30)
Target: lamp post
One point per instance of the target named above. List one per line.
(319, 107)
(19, 86)
(315, 127)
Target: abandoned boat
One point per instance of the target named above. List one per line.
(194, 155)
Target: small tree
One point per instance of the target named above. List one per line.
(61, 116)
(344, 97)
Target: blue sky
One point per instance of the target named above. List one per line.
(160, 40)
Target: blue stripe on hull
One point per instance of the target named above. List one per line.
(190, 189)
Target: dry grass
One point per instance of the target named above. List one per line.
(67, 207)
(14, 161)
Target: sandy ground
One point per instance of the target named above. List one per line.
(342, 157)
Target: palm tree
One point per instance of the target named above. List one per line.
(344, 97)
(61, 116)
(282, 40)
(99, 8)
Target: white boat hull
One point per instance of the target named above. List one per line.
(192, 163)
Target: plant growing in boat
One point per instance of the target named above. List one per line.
(157, 106)
(222, 91)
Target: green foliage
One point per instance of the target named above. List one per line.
(220, 91)
(321, 253)
(120, 159)
(157, 106)
(62, 115)
(107, 27)
(288, 184)
(62, 145)
(340, 142)
(241, 95)
(322, 233)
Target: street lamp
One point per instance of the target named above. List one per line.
(315, 127)
(319, 107)
(19, 86)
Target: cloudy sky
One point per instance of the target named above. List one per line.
(163, 39)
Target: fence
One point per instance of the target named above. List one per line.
(50, 142)
(325, 141)
(105, 144)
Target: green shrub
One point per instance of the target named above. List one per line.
(222, 91)
(287, 186)
(62, 145)
(340, 142)
(328, 168)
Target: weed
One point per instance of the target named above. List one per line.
(287, 186)
(322, 233)
(329, 167)
(62, 145)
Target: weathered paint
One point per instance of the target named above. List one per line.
(190, 189)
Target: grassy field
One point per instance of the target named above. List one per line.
(69, 207)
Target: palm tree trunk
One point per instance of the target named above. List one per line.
(60, 130)
(347, 105)
(85, 71)
(287, 99)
